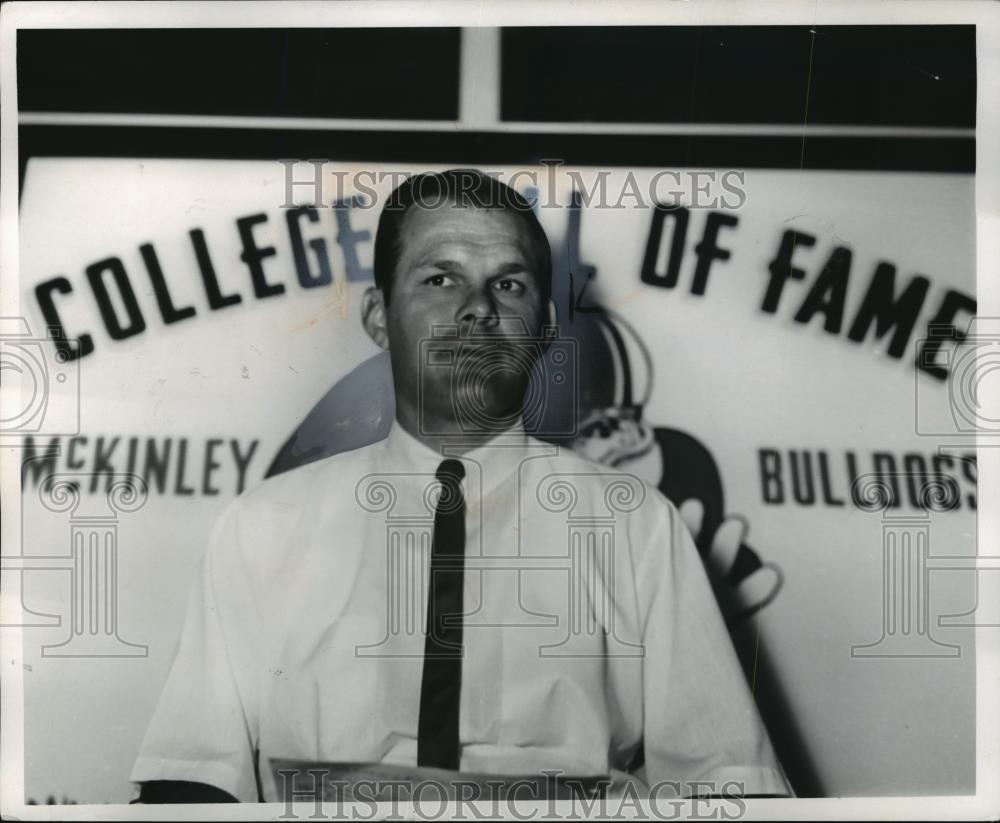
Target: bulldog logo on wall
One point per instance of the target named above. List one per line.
(608, 400)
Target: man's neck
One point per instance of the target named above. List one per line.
(450, 434)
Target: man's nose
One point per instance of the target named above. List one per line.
(479, 313)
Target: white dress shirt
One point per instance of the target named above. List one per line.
(590, 628)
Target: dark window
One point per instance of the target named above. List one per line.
(407, 73)
(854, 75)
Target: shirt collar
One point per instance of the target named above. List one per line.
(486, 466)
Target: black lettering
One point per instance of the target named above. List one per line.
(781, 267)
(824, 477)
(241, 462)
(67, 348)
(889, 312)
(307, 278)
(168, 312)
(132, 445)
(803, 489)
(71, 462)
(179, 487)
(102, 463)
(708, 249)
(253, 255)
(41, 464)
(829, 293)
(210, 466)
(852, 472)
(157, 464)
(95, 274)
(953, 498)
(941, 328)
(885, 468)
(216, 299)
(770, 476)
(649, 274)
(915, 468)
(970, 471)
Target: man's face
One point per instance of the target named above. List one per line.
(471, 269)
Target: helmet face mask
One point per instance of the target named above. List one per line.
(614, 435)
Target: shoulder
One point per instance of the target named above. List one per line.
(265, 518)
(652, 547)
(638, 504)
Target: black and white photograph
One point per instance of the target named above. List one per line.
(542, 411)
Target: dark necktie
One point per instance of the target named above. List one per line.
(441, 687)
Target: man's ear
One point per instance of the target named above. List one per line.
(373, 316)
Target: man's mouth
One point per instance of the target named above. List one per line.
(487, 350)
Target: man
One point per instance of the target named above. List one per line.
(459, 596)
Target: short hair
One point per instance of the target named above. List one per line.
(462, 187)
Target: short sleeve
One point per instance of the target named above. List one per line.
(700, 719)
(204, 726)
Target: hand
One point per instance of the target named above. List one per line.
(743, 597)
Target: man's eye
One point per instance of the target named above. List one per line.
(512, 286)
(438, 280)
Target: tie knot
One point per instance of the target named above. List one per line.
(450, 470)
